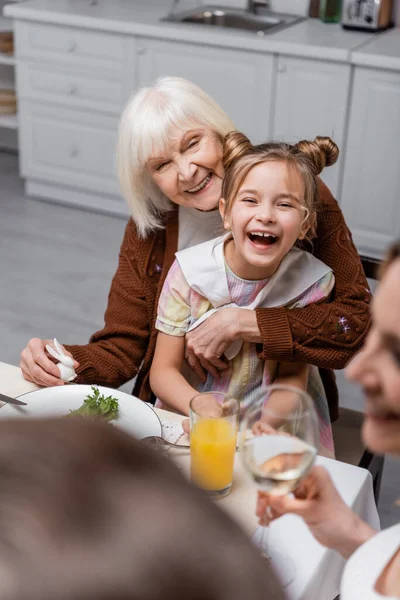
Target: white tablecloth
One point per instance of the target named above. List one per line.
(318, 570)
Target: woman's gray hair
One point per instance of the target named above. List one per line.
(151, 117)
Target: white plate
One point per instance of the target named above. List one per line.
(135, 416)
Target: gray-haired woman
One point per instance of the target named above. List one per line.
(170, 169)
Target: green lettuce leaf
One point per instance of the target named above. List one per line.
(97, 405)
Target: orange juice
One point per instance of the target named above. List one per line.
(212, 452)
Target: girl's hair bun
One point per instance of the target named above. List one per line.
(322, 152)
(236, 145)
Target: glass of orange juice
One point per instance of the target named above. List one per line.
(213, 428)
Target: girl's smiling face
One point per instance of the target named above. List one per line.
(190, 171)
(266, 219)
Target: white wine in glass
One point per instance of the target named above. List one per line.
(278, 439)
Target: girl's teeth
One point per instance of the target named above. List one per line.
(267, 238)
(263, 235)
(201, 185)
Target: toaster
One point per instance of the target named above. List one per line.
(367, 15)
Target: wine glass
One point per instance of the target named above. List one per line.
(278, 441)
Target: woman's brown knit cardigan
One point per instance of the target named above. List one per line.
(325, 335)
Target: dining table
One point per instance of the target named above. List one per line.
(318, 569)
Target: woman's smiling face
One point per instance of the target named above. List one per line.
(190, 171)
(377, 368)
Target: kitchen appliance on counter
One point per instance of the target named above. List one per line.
(367, 15)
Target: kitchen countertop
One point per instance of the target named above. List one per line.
(383, 52)
(307, 39)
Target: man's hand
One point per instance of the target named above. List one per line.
(320, 505)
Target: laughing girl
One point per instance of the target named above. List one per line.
(268, 209)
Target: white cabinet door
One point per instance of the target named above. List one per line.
(75, 47)
(371, 185)
(240, 81)
(68, 147)
(77, 88)
(311, 100)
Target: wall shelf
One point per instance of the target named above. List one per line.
(9, 121)
(6, 24)
(7, 59)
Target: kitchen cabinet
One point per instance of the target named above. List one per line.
(72, 86)
(77, 63)
(46, 83)
(63, 146)
(240, 81)
(310, 100)
(371, 183)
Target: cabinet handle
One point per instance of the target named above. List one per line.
(73, 151)
(72, 89)
(141, 51)
(282, 68)
(72, 46)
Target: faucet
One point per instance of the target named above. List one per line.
(253, 5)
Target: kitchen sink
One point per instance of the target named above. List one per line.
(260, 23)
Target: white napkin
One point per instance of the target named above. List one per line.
(171, 430)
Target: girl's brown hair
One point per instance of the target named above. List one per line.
(308, 157)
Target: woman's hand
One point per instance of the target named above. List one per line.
(316, 500)
(206, 344)
(38, 366)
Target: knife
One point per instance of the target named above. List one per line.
(10, 400)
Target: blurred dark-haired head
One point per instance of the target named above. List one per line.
(88, 513)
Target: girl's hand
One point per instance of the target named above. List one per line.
(316, 500)
(38, 366)
(186, 422)
(261, 427)
(206, 344)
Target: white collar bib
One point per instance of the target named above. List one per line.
(204, 269)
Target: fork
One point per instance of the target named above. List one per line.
(159, 443)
